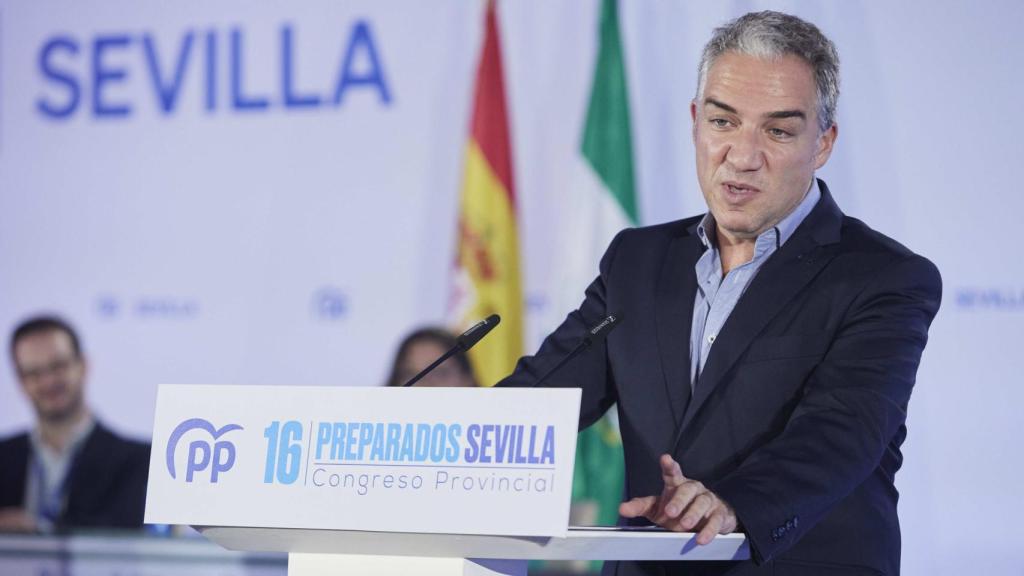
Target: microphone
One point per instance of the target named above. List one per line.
(464, 342)
(595, 335)
(476, 332)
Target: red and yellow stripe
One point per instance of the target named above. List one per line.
(488, 252)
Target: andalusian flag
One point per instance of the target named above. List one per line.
(600, 192)
(609, 205)
(487, 267)
(607, 144)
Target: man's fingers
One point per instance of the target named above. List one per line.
(671, 473)
(683, 505)
(697, 509)
(712, 527)
(721, 520)
(16, 520)
(643, 506)
(682, 498)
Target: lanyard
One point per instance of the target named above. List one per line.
(50, 504)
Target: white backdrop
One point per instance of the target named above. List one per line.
(295, 244)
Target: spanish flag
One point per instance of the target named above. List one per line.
(486, 279)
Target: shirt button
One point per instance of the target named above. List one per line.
(711, 339)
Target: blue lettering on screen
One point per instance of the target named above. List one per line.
(361, 42)
(167, 92)
(292, 98)
(103, 74)
(238, 99)
(51, 50)
(168, 69)
(211, 71)
(1007, 299)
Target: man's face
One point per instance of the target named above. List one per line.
(51, 374)
(757, 140)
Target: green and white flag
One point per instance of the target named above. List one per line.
(600, 195)
(606, 204)
(607, 143)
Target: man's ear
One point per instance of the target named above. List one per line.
(825, 143)
(693, 120)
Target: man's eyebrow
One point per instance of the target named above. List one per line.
(721, 105)
(773, 115)
(787, 114)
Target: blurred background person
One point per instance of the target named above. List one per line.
(69, 471)
(421, 348)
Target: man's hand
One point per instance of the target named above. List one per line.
(16, 520)
(684, 505)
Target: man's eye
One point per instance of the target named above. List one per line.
(719, 122)
(779, 133)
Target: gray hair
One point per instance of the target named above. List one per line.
(771, 34)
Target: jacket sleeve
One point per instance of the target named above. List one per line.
(853, 405)
(589, 370)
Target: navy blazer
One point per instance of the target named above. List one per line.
(107, 486)
(798, 415)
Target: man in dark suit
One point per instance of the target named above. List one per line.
(69, 471)
(769, 347)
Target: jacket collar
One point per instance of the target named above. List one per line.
(785, 273)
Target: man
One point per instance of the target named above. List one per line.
(70, 471)
(769, 347)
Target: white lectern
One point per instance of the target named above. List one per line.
(322, 552)
(386, 481)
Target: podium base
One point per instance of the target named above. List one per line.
(367, 565)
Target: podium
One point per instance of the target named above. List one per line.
(328, 552)
(387, 481)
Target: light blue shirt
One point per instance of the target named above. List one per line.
(718, 295)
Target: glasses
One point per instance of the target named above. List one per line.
(59, 367)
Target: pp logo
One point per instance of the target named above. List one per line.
(219, 456)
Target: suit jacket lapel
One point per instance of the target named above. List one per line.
(780, 279)
(86, 470)
(677, 287)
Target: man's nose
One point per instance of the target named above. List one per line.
(50, 378)
(745, 152)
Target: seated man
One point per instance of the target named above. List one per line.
(69, 471)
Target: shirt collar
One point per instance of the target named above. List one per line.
(777, 234)
(78, 435)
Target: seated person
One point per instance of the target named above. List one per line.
(69, 471)
(419, 349)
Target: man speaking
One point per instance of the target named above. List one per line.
(770, 346)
